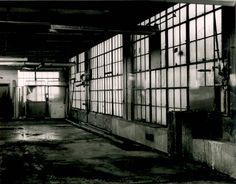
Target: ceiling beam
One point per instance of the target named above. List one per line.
(142, 30)
(212, 2)
(46, 24)
(90, 2)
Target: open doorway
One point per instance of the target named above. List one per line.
(5, 102)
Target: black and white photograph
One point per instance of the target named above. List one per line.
(118, 92)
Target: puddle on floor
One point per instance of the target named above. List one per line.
(24, 136)
(10, 128)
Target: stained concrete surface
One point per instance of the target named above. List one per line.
(57, 152)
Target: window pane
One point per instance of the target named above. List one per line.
(163, 60)
(171, 59)
(177, 56)
(193, 52)
(171, 98)
(210, 48)
(200, 27)
(170, 77)
(209, 74)
(177, 77)
(192, 10)
(209, 24)
(183, 14)
(163, 121)
(183, 33)
(219, 20)
(182, 54)
(163, 97)
(170, 37)
(176, 35)
(193, 77)
(200, 9)
(163, 78)
(200, 50)
(200, 75)
(176, 17)
(184, 98)
(184, 76)
(163, 40)
(177, 98)
(193, 30)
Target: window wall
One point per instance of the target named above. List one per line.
(37, 78)
(79, 88)
(190, 45)
(186, 53)
(106, 87)
(37, 81)
(205, 44)
(141, 70)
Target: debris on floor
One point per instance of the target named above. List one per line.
(61, 153)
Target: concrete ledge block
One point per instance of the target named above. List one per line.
(218, 155)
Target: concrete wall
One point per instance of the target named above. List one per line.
(152, 136)
(218, 155)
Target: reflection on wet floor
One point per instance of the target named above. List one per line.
(27, 133)
(61, 153)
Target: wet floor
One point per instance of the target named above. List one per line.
(57, 152)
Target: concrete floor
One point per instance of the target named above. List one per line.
(57, 152)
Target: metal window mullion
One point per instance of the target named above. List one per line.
(150, 83)
(188, 55)
(132, 71)
(204, 42)
(97, 81)
(104, 78)
(112, 77)
(145, 64)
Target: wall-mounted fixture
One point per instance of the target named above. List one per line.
(12, 59)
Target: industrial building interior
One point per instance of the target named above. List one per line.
(118, 91)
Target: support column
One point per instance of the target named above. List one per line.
(229, 56)
(128, 78)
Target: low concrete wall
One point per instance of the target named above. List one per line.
(152, 136)
(218, 155)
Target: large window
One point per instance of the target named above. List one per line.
(37, 83)
(106, 63)
(79, 88)
(186, 53)
(37, 78)
(161, 83)
(205, 44)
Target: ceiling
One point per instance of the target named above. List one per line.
(53, 31)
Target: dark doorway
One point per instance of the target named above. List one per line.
(5, 102)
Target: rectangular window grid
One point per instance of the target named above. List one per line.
(79, 89)
(163, 86)
(106, 87)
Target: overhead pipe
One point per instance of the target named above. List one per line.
(142, 30)
(9, 59)
(44, 24)
(15, 63)
(35, 64)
